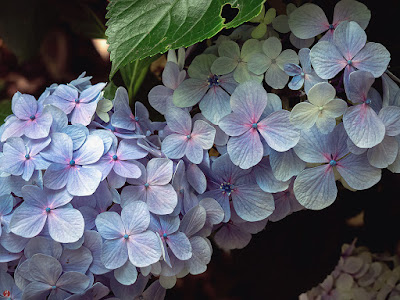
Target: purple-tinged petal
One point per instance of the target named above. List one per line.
(292, 69)
(12, 242)
(390, 116)
(172, 76)
(144, 249)
(133, 193)
(126, 168)
(28, 221)
(277, 131)
(78, 133)
(373, 58)
(215, 104)
(201, 255)
(230, 236)
(54, 198)
(296, 83)
(128, 149)
(357, 172)
(179, 121)
(359, 84)
(251, 203)
(351, 10)
(180, 245)
(383, 154)
(56, 176)
(73, 282)
(190, 92)
(174, 146)
(233, 125)
(6, 204)
(40, 127)
(136, 217)
(161, 200)
(193, 221)
(77, 260)
(90, 152)
(265, 178)
(44, 245)
(127, 274)
(13, 128)
(196, 178)
(114, 253)
(91, 93)
(105, 164)
(44, 268)
(7, 256)
(364, 127)
(249, 101)
(308, 21)
(194, 152)
(123, 119)
(66, 92)
(60, 149)
(327, 60)
(160, 98)
(24, 106)
(83, 181)
(315, 188)
(159, 171)
(109, 225)
(66, 225)
(349, 38)
(245, 150)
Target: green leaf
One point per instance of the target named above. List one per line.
(134, 73)
(5, 110)
(109, 90)
(142, 28)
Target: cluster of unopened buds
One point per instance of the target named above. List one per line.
(99, 201)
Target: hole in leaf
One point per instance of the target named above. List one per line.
(229, 13)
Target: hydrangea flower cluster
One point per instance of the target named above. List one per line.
(360, 275)
(97, 200)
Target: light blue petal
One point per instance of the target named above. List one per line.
(127, 274)
(114, 253)
(245, 150)
(180, 245)
(77, 260)
(136, 217)
(144, 249)
(66, 225)
(265, 178)
(327, 60)
(349, 38)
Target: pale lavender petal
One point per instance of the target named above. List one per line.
(40, 127)
(180, 245)
(190, 92)
(233, 125)
(373, 58)
(194, 152)
(78, 133)
(159, 171)
(66, 225)
(13, 128)
(60, 149)
(77, 260)
(90, 152)
(12, 242)
(265, 178)
(133, 193)
(161, 199)
(230, 236)
(364, 127)
(357, 172)
(327, 60)
(127, 274)
(24, 106)
(83, 181)
(351, 10)
(349, 38)
(136, 217)
(215, 104)
(73, 282)
(126, 168)
(174, 146)
(179, 121)
(114, 253)
(383, 154)
(44, 268)
(193, 221)
(196, 178)
(37, 290)
(27, 221)
(245, 150)
(390, 116)
(278, 132)
(308, 21)
(109, 225)
(201, 255)
(315, 188)
(160, 98)
(91, 93)
(359, 84)
(129, 149)
(56, 176)
(144, 249)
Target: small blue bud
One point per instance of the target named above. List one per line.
(331, 27)
(115, 157)
(32, 117)
(27, 156)
(332, 162)
(53, 287)
(368, 101)
(72, 163)
(165, 235)
(188, 137)
(349, 62)
(254, 125)
(126, 236)
(146, 185)
(76, 101)
(137, 119)
(48, 209)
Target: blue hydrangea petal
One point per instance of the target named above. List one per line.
(73, 282)
(352, 10)
(215, 105)
(126, 168)
(114, 253)
(194, 152)
(308, 21)
(6, 204)
(179, 121)
(292, 69)
(127, 274)
(12, 242)
(196, 178)
(174, 146)
(349, 38)
(77, 260)
(312, 146)
(13, 128)
(66, 225)
(265, 178)
(162, 199)
(109, 225)
(315, 188)
(24, 106)
(278, 132)
(83, 181)
(296, 83)
(180, 245)
(251, 203)
(129, 149)
(373, 58)
(37, 290)
(364, 127)
(44, 268)
(66, 92)
(160, 98)
(327, 60)
(193, 221)
(172, 76)
(43, 245)
(233, 125)
(383, 154)
(201, 255)
(300, 43)
(230, 237)
(136, 217)
(93, 242)
(305, 60)
(144, 249)
(123, 119)
(27, 221)
(83, 113)
(245, 150)
(60, 149)
(7, 256)
(159, 171)
(190, 92)
(104, 165)
(90, 152)
(133, 193)
(357, 172)
(325, 124)
(359, 84)
(40, 127)
(91, 93)
(390, 116)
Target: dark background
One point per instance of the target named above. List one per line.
(287, 258)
